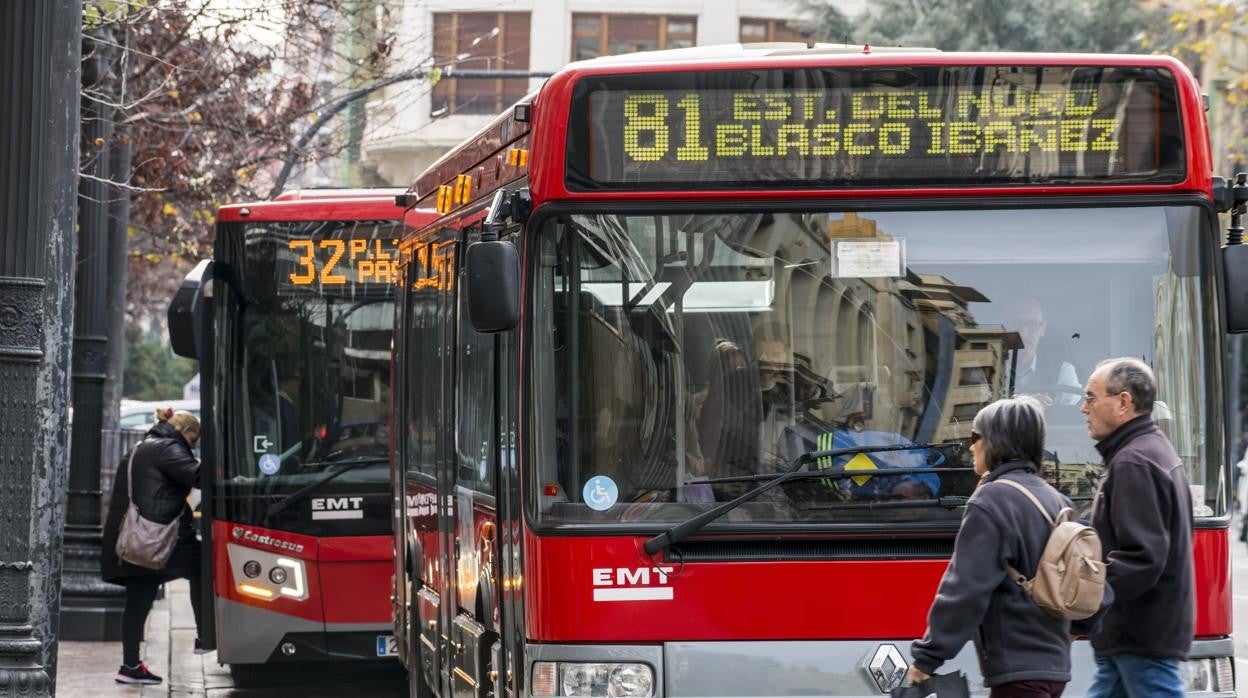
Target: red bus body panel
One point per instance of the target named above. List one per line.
(354, 571)
(1211, 552)
(806, 600)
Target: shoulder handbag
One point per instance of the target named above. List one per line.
(952, 685)
(141, 541)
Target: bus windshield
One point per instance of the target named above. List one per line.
(682, 357)
(310, 368)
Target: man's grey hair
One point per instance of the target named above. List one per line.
(1128, 375)
(1011, 429)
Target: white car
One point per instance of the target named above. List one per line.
(141, 415)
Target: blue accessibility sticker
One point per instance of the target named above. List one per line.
(601, 493)
(270, 464)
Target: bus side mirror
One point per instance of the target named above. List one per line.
(186, 312)
(1235, 254)
(493, 268)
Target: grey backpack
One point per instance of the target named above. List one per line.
(1070, 578)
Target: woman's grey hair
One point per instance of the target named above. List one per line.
(1127, 375)
(1011, 429)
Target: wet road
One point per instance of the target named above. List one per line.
(367, 681)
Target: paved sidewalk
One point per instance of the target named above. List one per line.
(88, 668)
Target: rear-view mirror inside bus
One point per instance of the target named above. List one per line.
(493, 285)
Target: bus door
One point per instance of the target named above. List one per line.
(443, 358)
(191, 335)
(476, 627)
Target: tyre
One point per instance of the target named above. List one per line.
(250, 675)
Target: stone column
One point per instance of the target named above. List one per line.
(90, 609)
(51, 460)
(27, 31)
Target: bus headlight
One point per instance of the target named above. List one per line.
(1208, 675)
(593, 680)
(287, 576)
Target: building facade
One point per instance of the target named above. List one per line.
(411, 124)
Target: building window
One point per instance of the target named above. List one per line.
(608, 35)
(479, 41)
(759, 30)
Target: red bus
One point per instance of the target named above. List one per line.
(686, 367)
(292, 322)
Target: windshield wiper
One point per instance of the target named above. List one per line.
(348, 465)
(952, 501)
(683, 530)
(829, 473)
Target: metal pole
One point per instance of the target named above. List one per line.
(118, 248)
(27, 122)
(90, 609)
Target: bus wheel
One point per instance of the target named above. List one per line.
(250, 675)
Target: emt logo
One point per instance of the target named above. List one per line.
(632, 584)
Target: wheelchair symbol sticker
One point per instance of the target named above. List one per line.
(270, 464)
(600, 493)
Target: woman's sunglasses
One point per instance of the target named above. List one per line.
(975, 437)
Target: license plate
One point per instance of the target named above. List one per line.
(386, 646)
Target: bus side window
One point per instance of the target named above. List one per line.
(422, 371)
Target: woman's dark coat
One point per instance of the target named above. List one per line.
(165, 470)
(977, 600)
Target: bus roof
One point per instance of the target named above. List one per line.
(319, 204)
(543, 138)
(332, 193)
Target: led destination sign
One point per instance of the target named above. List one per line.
(341, 258)
(937, 126)
(336, 262)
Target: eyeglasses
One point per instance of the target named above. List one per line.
(975, 437)
(1089, 398)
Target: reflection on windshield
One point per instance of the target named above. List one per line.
(679, 350)
(311, 371)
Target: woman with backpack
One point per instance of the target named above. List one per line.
(1022, 649)
(159, 473)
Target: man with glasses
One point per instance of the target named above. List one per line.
(1143, 514)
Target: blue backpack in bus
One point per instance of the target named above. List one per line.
(868, 485)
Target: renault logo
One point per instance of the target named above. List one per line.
(888, 667)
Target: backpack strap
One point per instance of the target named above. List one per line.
(1013, 573)
(1032, 497)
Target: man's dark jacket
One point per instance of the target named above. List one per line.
(1015, 639)
(1143, 514)
(165, 470)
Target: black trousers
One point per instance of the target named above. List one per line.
(1028, 689)
(140, 595)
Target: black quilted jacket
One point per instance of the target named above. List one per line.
(164, 472)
